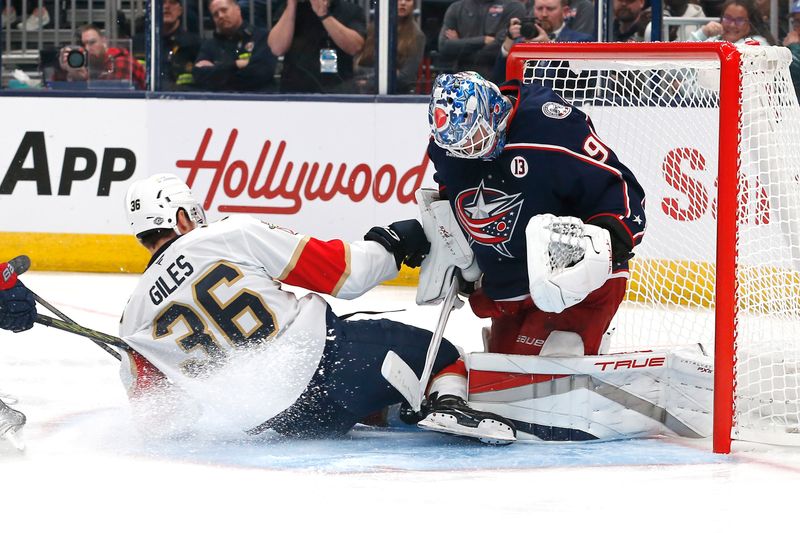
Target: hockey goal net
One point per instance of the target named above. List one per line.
(712, 131)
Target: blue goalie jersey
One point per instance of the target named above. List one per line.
(553, 162)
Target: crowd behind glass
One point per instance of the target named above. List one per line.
(331, 46)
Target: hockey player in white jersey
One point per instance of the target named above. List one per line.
(214, 331)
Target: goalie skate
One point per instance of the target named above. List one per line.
(11, 422)
(451, 414)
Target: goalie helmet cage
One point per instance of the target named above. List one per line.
(712, 131)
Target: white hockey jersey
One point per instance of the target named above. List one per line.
(210, 315)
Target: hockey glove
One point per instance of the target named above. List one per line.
(450, 253)
(17, 308)
(404, 239)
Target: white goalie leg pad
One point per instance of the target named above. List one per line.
(562, 344)
(606, 397)
(567, 260)
(449, 249)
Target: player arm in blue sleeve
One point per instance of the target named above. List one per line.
(618, 206)
(602, 190)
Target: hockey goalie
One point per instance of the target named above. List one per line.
(542, 215)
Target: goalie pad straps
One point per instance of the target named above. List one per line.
(567, 260)
(449, 249)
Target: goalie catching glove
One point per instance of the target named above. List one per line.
(567, 260)
(449, 254)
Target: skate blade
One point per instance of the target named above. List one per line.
(14, 439)
(488, 431)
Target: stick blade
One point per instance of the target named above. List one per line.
(402, 377)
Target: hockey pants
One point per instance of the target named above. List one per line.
(348, 384)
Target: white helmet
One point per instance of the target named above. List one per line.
(153, 203)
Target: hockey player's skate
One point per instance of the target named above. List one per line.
(11, 422)
(451, 414)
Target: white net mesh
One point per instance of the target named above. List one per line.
(661, 117)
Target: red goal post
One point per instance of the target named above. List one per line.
(712, 131)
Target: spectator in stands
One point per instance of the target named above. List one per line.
(37, 19)
(473, 31)
(101, 61)
(792, 42)
(764, 7)
(410, 49)
(740, 22)
(318, 40)
(683, 8)
(550, 15)
(237, 57)
(676, 8)
(712, 8)
(9, 14)
(793, 37)
(630, 20)
(259, 8)
(580, 16)
(179, 48)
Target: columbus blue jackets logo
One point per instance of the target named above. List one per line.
(488, 216)
(556, 110)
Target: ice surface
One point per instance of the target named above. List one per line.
(86, 468)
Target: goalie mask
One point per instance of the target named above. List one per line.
(153, 203)
(468, 115)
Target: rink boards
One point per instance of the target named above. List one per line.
(331, 169)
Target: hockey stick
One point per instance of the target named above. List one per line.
(77, 329)
(401, 376)
(103, 344)
(20, 265)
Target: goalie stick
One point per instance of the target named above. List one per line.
(401, 376)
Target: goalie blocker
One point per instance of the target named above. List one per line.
(449, 253)
(605, 397)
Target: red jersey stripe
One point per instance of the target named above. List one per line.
(317, 265)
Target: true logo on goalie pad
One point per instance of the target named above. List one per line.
(631, 363)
